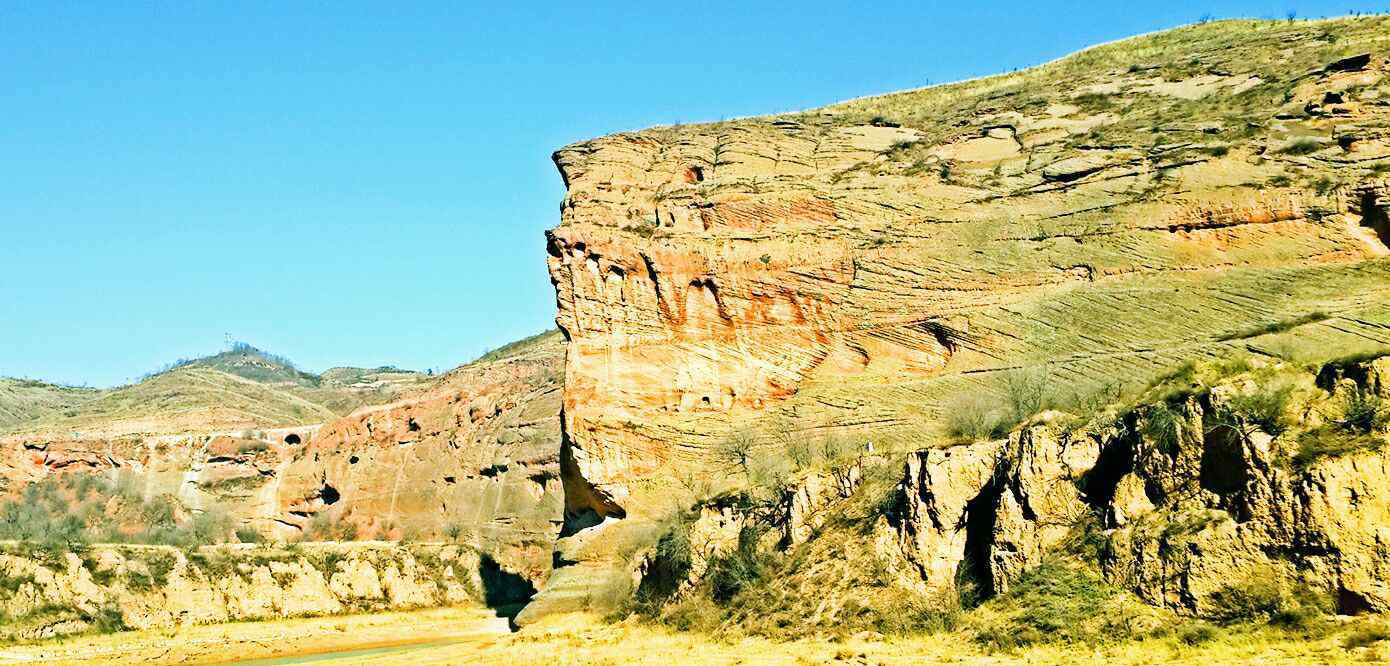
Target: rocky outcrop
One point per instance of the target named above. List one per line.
(45, 594)
(1182, 511)
(475, 459)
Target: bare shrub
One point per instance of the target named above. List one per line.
(972, 418)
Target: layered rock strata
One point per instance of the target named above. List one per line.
(1185, 511)
(140, 587)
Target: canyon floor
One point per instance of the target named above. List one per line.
(475, 636)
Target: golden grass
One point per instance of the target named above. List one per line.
(469, 636)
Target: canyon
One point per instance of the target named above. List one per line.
(1111, 314)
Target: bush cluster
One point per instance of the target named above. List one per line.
(69, 512)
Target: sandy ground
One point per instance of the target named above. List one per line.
(473, 636)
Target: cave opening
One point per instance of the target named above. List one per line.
(974, 577)
(329, 494)
(1099, 485)
(292, 439)
(506, 593)
(585, 505)
(1376, 217)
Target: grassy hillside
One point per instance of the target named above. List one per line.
(24, 400)
(521, 346)
(184, 400)
(243, 387)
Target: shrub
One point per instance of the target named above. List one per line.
(1363, 412)
(1026, 392)
(1195, 633)
(835, 450)
(736, 451)
(1267, 597)
(1331, 442)
(1056, 601)
(730, 574)
(108, 620)
(1253, 599)
(1302, 146)
(1264, 408)
(669, 566)
(1162, 426)
(248, 535)
(1366, 636)
(453, 531)
(973, 418)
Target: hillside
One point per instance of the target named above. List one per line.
(900, 270)
(24, 400)
(237, 389)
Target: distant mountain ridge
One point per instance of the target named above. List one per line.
(242, 387)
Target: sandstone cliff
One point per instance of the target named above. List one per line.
(1191, 501)
(106, 588)
(863, 268)
(1237, 492)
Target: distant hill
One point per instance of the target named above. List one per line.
(26, 399)
(242, 387)
(521, 346)
(248, 362)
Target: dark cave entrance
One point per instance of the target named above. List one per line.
(504, 592)
(1376, 217)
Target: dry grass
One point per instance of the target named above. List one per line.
(466, 637)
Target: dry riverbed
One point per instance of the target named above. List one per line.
(475, 636)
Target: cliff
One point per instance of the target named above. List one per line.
(876, 269)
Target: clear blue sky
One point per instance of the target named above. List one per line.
(354, 184)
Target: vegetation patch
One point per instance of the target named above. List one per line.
(1273, 327)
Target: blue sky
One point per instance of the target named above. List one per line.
(358, 184)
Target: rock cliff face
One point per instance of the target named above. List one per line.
(1188, 505)
(859, 269)
(43, 594)
(860, 265)
(473, 458)
(477, 456)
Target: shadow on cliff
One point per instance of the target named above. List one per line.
(504, 592)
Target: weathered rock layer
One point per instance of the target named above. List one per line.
(1185, 512)
(142, 587)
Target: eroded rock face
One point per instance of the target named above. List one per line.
(143, 587)
(862, 274)
(1184, 516)
(476, 460)
(859, 270)
(473, 459)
